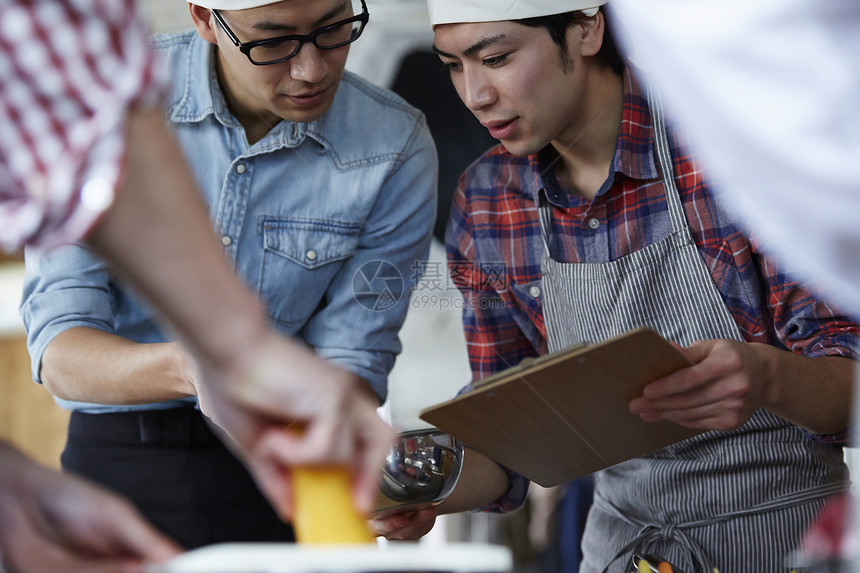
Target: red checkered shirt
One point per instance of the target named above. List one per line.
(70, 71)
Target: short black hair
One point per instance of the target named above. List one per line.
(557, 25)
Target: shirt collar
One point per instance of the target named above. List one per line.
(634, 149)
(202, 96)
(634, 153)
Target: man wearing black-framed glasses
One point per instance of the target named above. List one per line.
(321, 187)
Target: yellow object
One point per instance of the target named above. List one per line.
(643, 566)
(324, 512)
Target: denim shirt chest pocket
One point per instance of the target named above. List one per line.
(300, 259)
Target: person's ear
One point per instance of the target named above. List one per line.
(591, 34)
(203, 22)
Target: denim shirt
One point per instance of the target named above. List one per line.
(326, 221)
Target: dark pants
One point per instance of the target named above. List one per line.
(176, 471)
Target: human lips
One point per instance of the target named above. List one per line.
(501, 128)
(310, 98)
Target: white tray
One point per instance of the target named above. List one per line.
(294, 558)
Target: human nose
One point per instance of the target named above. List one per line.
(476, 92)
(308, 65)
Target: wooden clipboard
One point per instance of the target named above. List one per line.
(564, 415)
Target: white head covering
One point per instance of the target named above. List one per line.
(231, 4)
(458, 11)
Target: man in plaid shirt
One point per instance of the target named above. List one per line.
(605, 222)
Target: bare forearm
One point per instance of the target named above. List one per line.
(159, 236)
(813, 393)
(482, 481)
(89, 365)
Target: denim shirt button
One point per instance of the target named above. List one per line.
(311, 255)
(226, 240)
(240, 169)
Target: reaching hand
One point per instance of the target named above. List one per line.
(720, 391)
(50, 522)
(278, 384)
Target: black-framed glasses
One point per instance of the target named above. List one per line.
(281, 49)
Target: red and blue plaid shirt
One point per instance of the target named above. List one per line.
(494, 247)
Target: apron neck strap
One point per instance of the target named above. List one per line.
(664, 160)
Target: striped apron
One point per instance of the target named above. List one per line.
(737, 501)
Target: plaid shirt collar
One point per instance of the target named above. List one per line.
(634, 151)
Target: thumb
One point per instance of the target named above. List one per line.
(697, 351)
